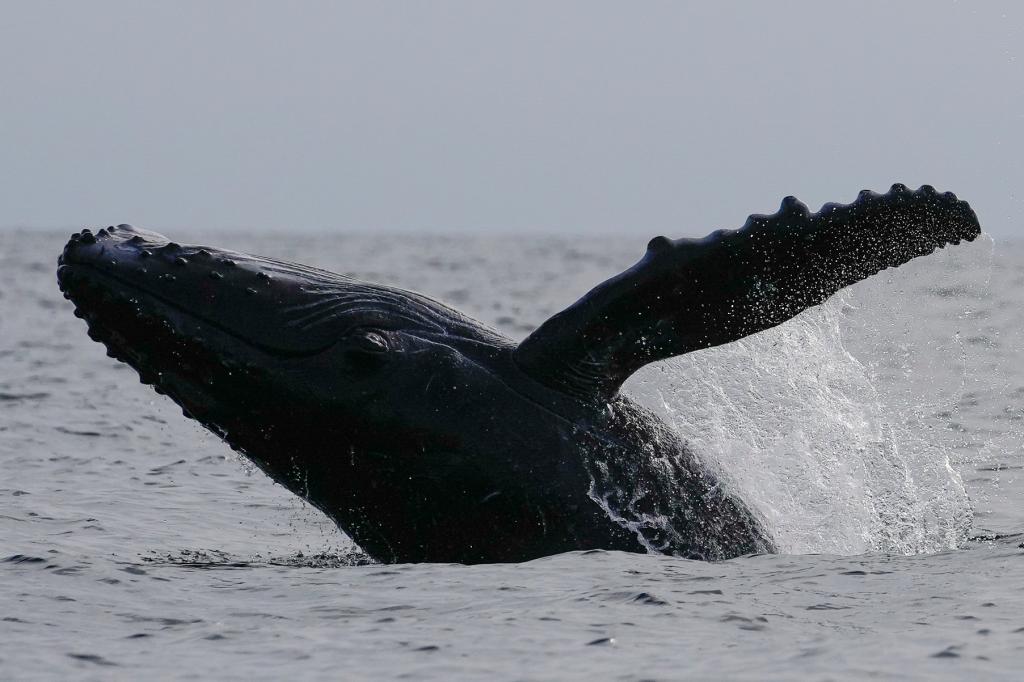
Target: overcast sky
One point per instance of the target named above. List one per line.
(675, 117)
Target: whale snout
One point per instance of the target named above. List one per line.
(193, 288)
(140, 259)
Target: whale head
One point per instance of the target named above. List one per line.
(337, 388)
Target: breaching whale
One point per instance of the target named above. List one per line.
(427, 436)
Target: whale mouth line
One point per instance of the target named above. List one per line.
(70, 267)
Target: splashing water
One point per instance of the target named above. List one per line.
(809, 436)
(793, 422)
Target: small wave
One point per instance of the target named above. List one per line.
(216, 559)
(17, 397)
(92, 658)
(24, 559)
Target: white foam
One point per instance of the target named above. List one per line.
(811, 438)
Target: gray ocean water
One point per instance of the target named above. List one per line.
(881, 436)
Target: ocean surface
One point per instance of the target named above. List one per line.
(880, 434)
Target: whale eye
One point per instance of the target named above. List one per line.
(368, 349)
(369, 341)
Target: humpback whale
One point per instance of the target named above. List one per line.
(427, 436)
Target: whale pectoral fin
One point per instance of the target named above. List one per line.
(688, 294)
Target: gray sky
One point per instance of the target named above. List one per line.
(675, 118)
